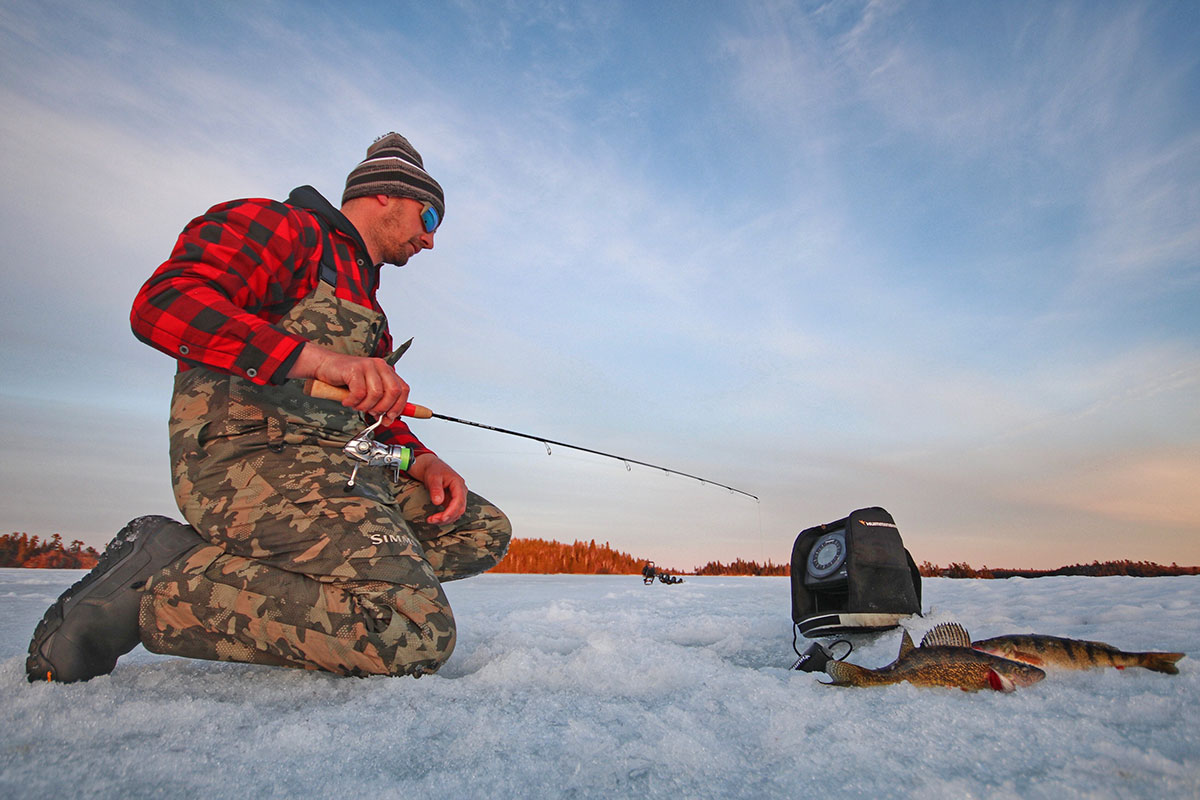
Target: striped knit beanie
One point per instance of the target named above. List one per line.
(393, 167)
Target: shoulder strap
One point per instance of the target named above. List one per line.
(327, 217)
(328, 270)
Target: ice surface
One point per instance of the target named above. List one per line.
(599, 686)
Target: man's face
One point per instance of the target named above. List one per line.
(401, 233)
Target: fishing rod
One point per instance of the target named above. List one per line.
(325, 391)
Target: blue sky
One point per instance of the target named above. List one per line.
(939, 257)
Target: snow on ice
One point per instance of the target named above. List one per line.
(599, 686)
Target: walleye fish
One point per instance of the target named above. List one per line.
(945, 658)
(1055, 651)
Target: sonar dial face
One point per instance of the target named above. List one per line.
(827, 556)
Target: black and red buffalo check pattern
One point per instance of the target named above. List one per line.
(234, 272)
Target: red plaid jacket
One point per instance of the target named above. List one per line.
(237, 270)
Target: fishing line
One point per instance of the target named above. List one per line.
(547, 442)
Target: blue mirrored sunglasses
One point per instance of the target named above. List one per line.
(430, 218)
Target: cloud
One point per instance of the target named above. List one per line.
(839, 255)
(1134, 487)
(1145, 219)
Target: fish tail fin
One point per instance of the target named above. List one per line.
(845, 674)
(1160, 662)
(999, 682)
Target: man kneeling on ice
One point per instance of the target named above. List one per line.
(283, 562)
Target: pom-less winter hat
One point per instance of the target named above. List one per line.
(393, 167)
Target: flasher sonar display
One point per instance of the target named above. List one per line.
(826, 562)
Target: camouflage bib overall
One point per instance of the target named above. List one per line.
(299, 571)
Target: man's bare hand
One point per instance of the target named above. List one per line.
(374, 386)
(445, 486)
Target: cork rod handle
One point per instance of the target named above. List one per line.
(325, 391)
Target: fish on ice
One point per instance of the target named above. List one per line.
(1056, 651)
(944, 658)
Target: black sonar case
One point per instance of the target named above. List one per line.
(853, 576)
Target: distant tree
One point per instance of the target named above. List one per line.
(742, 567)
(21, 550)
(1139, 569)
(539, 556)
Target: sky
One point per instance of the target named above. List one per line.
(942, 258)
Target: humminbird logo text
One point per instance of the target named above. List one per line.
(877, 524)
(381, 538)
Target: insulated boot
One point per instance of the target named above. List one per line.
(95, 622)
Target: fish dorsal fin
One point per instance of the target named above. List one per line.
(948, 634)
(906, 645)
